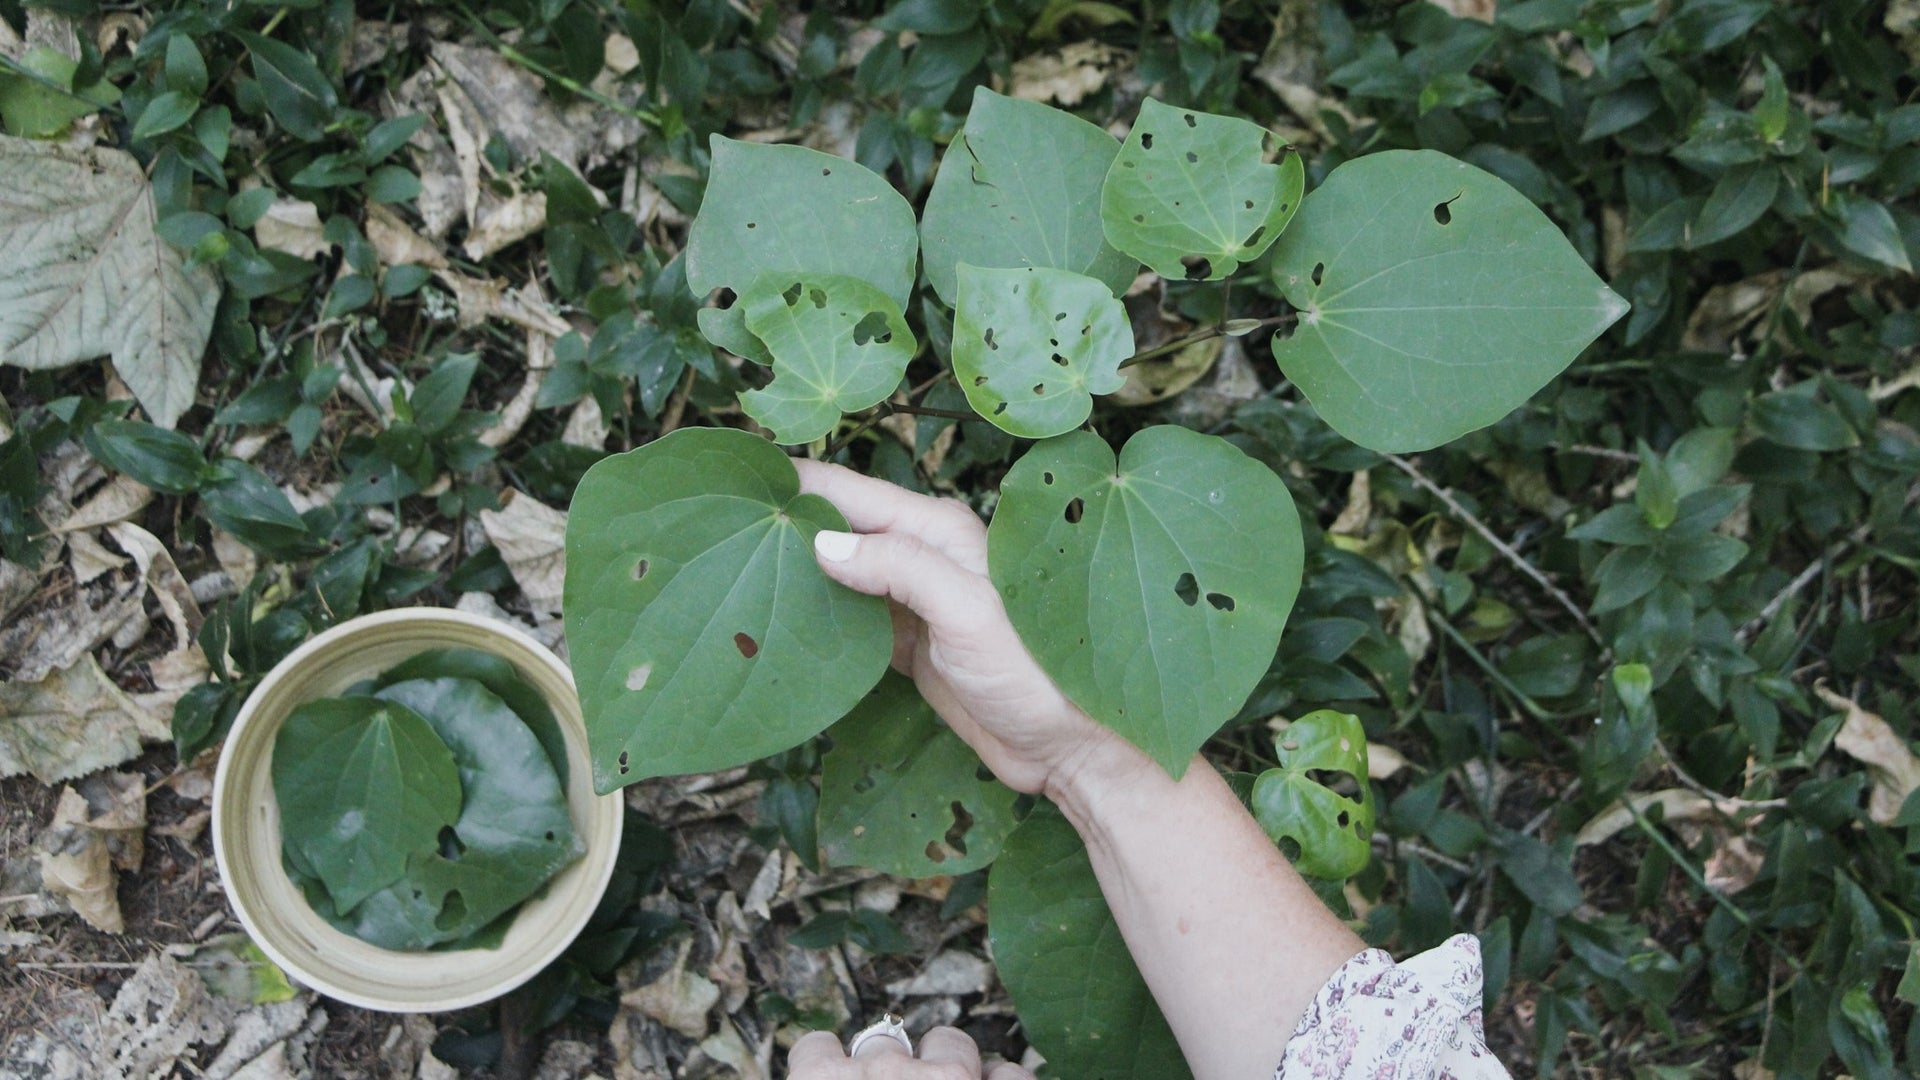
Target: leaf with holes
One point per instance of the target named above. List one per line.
(1434, 299)
(1332, 832)
(1020, 187)
(793, 210)
(837, 344)
(1081, 1000)
(514, 832)
(901, 794)
(702, 633)
(1031, 347)
(362, 785)
(87, 276)
(501, 679)
(1192, 196)
(1152, 592)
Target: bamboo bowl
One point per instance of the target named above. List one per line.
(246, 824)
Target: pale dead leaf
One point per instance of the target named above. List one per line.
(728, 968)
(729, 1049)
(951, 972)
(1478, 10)
(119, 500)
(1291, 68)
(1353, 517)
(76, 866)
(70, 723)
(1735, 864)
(531, 538)
(372, 41)
(396, 243)
(1383, 761)
(1153, 381)
(481, 300)
(88, 558)
(1902, 20)
(17, 585)
(156, 1017)
(586, 426)
(500, 223)
(1065, 77)
(163, 578)
(509, 101)
(621, 54)
(116, 808)
(87, 275)
(1677, 804)
(513, 416)
(679, 999)
(292, 226)
(1891, 765)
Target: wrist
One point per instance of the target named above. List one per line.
(1101, 769)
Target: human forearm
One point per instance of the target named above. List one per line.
(1231, 941)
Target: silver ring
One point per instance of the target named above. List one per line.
(888, 1026)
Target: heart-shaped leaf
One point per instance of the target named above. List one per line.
(901, 794)
(1332, 831)
(1434, 299)
(1152, 592)
(793, 210)
(501, 679)
(702, 633)
(1082, 1001)
(1189, 185)
(837, 344)
(362, 785)
(1031, 347)
(513, 834)
(1020, 187)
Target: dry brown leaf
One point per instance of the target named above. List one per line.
(292, 226)
(728, 968)
(163, 578)
(728, 1048)
(118, 501)
(73, 722)
(513, 415)
(1291, 67)
(1478, 10)
(951, 972)
(1153, 381)
(1678, 804)
(1065, 77)
(1902, 20)
(1354, 516)
(679, 999)
(1735, 864)
(157, 1015)
(397, 244)
(532, 539)
(481, 300)
(586, 425)
(501, 223)
(1891, 765)
(76, 866)
(88, 558)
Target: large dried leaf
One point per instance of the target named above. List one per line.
(87, 275)
(69, 724)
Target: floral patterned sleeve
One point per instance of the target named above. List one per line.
(1378, 1020)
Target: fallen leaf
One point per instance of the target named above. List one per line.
(500, 223)
(483, 299)
(396, 243)
(1479, 10)
(950, 972)
(120, 499)
(162, 578)
(514, 414)
(258, 1047)
(1891, 765)
(1354, 516)
(87, 275)
(156, 1016)
(1291, 68)
(678, 999)
(532, 539)
(292, 226)
(586, 425)
(1735, 864)
(1153, 381)
(116, 808)
(88, 558)
(729, 1049)
(76, 866)
(1902, 20)
(1065, 77)
(1677, 804)
(73, 722)
(728, 968)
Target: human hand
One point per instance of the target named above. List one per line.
(945, 1054)
(950, 631)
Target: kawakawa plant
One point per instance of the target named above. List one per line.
(1152, 584)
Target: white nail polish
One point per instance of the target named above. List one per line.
(835, 546)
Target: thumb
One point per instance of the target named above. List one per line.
(922, 579)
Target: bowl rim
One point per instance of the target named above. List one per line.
(230, 826)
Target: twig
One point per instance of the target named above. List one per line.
(881, 412)
(1801, 581)
(1607, 452)
(1499, 545)
(677, 405)
(80, 965)
(1238, 327)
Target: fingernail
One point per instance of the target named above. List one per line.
(835, 546)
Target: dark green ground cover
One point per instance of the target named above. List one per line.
(1670, 572)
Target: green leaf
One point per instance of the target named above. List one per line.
(1081, 1000)
(901, 794)
(1868, 231)
(513, 834)
(1794, 417)
(1018, 188)
(31, 108)
(1152, 592)
(1333, 832)
(243, 501)
(703, 634)
(298, 94)
(795, 211)
(392, 184)
(202, 717)
(1192, 185)
(1542, 874)
(163, 460)
(246, 209)
(838, 344)
(164, 113)
(1738, 200)
(501, 679)
(1434, 299)
(362, 786)
(186, 68)
(436, 399)
(1031, 347)
(388, 136)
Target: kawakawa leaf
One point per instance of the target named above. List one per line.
(900, 793)
(702, 633)
(1331, 830)
(1031, 347)
(362, 785)
(1082, 1001)
(793, 210)
(1194, 186)
(1434, 299)
(86, 275)
(1153, 592)
(500, 678)
(1020, 187)
(513, 834)
(837, 344)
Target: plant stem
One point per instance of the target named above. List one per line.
(1198, 336)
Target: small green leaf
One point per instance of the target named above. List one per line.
(202, 717)
(436, 399)
(1152, 589)
(1019, 187)
(388, 136)
(1868, 231)
(242, 500)
(1081, 1000)
(362, 786)
(1795, 417)
(1193, 185)
(1738, 200)
(164, 113)
(1433, 298)
(1771, 113)
(245, 210)
(703, 634)
(1031, 347)
(794, 210)
(186, 68)
(392, 184)
(163, 460)
(838, 345)
(298, 95)
(1333, 831)
(901, 794)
